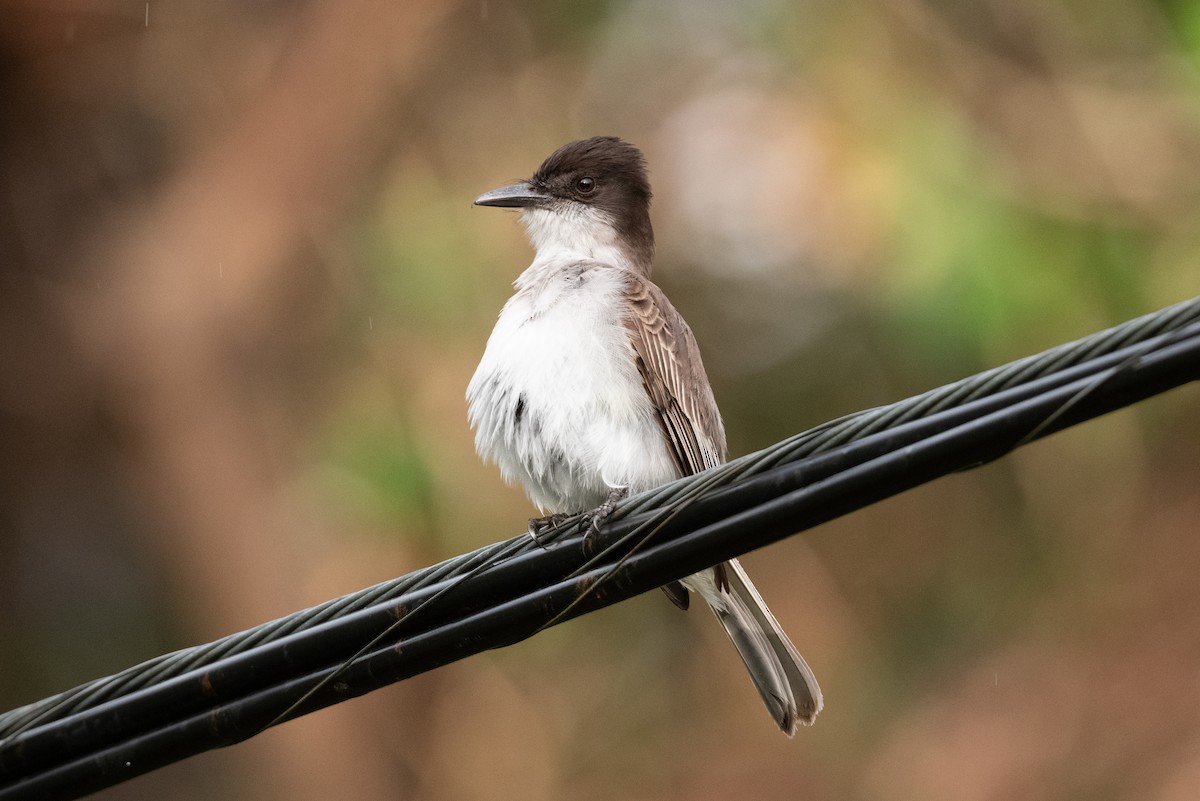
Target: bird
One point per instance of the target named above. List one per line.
(591, 386)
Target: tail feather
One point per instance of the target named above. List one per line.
(781, 676)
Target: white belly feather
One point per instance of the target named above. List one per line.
(557, 401)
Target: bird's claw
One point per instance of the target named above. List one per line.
(598, 515)
(541, 526)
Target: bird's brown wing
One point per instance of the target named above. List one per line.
(673, 375)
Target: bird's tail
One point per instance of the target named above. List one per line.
(780, 674)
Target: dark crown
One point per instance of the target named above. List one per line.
(606, 159)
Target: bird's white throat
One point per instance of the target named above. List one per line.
(574, 231)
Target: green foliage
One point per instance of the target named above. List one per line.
(377, 469)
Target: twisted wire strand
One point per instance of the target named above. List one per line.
(663, 502)
(1079, 367)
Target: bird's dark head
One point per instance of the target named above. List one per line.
(591, 198)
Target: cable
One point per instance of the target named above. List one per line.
(213, 695)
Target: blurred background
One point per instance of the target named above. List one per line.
(243, 288)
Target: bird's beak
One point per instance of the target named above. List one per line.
(517, 196)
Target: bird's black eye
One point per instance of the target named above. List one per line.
(585, 185)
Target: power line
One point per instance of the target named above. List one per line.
(213, 695)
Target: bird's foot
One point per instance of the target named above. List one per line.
(541, 526)
(598, 515)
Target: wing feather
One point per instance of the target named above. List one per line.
(673, 375)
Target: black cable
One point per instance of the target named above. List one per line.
(822, 438)
(70, 745)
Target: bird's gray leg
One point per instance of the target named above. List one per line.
(600, 514)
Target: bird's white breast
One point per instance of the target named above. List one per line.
(557, 400)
